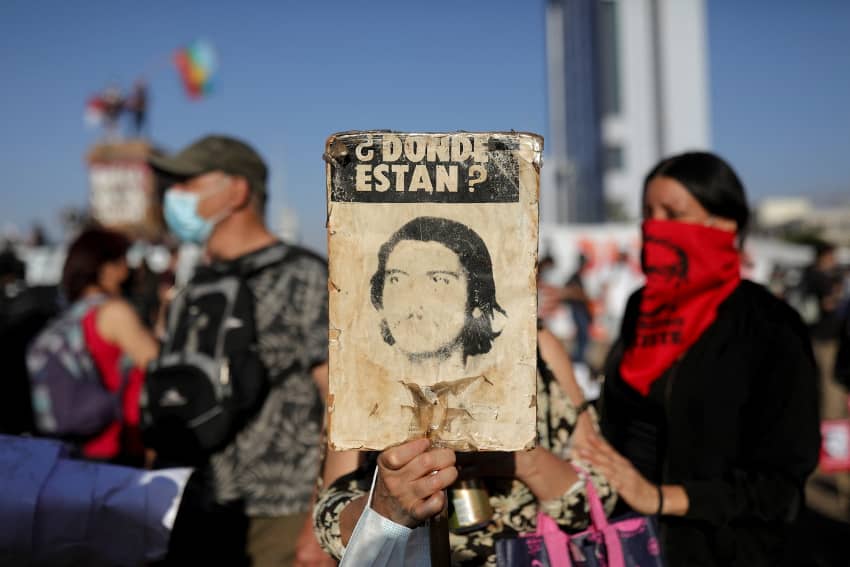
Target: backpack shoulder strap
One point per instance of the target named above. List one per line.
(271, 256)
(274, 255)
(81, 307)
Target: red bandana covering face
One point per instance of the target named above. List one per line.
(690, 269)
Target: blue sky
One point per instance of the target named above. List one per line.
(294, 72)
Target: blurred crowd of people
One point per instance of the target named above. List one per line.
(710, 388)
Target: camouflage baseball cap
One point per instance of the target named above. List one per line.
(215, 153)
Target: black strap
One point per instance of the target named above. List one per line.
(247, 266)
(270, 256)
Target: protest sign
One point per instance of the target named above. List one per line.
(432, 244)
(122, 192)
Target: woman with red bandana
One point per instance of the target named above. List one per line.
(710, 412)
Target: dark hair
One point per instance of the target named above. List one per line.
(478, 334)
(93, 248)
(711, 181)
(11, 266)
(823, 248)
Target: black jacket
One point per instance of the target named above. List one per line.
(735, 421)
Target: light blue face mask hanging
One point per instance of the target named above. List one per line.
(181, 215)
(379, 542)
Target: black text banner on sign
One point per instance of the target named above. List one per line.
(399, 168)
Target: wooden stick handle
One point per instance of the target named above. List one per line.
(438, 533)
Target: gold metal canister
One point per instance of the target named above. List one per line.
(470, 506)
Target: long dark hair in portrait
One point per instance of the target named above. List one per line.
(478, 334)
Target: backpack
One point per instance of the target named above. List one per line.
(208, 379)
(69, 399)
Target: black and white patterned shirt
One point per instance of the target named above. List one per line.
(273, 462)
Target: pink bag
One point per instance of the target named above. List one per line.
(630, 541)
(548, 546)
(555, 541)
(626, 542)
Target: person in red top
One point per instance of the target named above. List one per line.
(120, 345)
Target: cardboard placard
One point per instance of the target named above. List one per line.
(432, 245)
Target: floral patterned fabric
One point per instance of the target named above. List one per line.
(272, 464)
(514, 506)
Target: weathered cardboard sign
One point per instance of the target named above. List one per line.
(432, 240)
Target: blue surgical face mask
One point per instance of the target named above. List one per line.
(181, 215)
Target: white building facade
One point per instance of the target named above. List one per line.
(646, 65)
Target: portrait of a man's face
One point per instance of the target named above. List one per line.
(424, 302)
(434, 290)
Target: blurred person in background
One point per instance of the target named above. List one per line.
(842, 357)
(141, 285)
(621, 280)
(38, 236)
(822, 289)
(24, 311)
(576, 298)
(709, 409)
(113, 336)
(547, 302)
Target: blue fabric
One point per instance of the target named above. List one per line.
(25, 466)
(58, 511)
